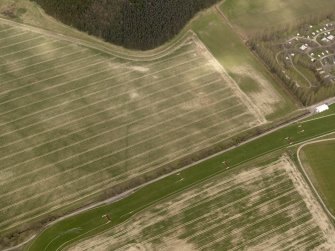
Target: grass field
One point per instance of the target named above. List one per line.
(255, 208)
(246, 70)
(318, 160)
(251, 16)
(75, 121)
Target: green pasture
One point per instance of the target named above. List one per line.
(318, 160)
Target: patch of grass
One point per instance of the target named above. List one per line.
(257, 15)
(241, 64)
(320, 159)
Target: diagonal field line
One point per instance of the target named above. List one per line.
(84, 117)
(285, 192)
(27, 49)
(42, 80)
(21, 42)
(141, 167)
(138, 143)
(108, 184)
(43, 62)
(213, 194)
(15, 35)
(7, 29)
(100, 61)
(119, 150)
(92, 93)
(65, 83)
(134, 157)
(74, 109)
(179, 94)
(115, 128)
(81, 107)
(82, 50)
(82, 87)
(35, 55)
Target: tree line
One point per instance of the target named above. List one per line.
(134, 24)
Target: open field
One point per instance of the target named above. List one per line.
(75, 121)
(318, 161)
(257, 208)
(246, 70)
(252, 16)
(62, 233)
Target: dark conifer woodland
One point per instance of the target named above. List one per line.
(135, 24)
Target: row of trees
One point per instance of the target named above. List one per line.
(133, 24)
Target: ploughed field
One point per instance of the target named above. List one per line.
(75, 121)
(254, 208)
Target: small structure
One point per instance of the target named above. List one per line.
(331, 37)
(303, 47)
(325, 39)
(321, 108)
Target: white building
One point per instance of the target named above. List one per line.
(303, 47)
(321, 108)
(331, 37)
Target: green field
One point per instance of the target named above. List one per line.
(246, 70)
(318, 160)
(252, 16)
(76, 121)
(256, 208)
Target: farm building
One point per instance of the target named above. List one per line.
(331, 37)
(321, 108)
(303, 47)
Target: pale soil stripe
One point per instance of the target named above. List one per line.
(295, 236)
(41, 121)
(27, 49)
(40, 62)
(83, 128)
(92, 84)
(60, 161)
(272, 230)
(45, 70)
(203, 183)
(100, 90)
(212, 212)
(268, 216)
(108, 182)
(73, 80)
(24, 106)
(21, 42)
(110, 142)
(49, 60)
(15, 35)
(89, 195)
(227, 220)
(7, 29)
(122, 64)
(159, 202)
(36, 55)
(36, 195)
(185, 203)
(96, 63)
(101, 133)
(201, 228)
